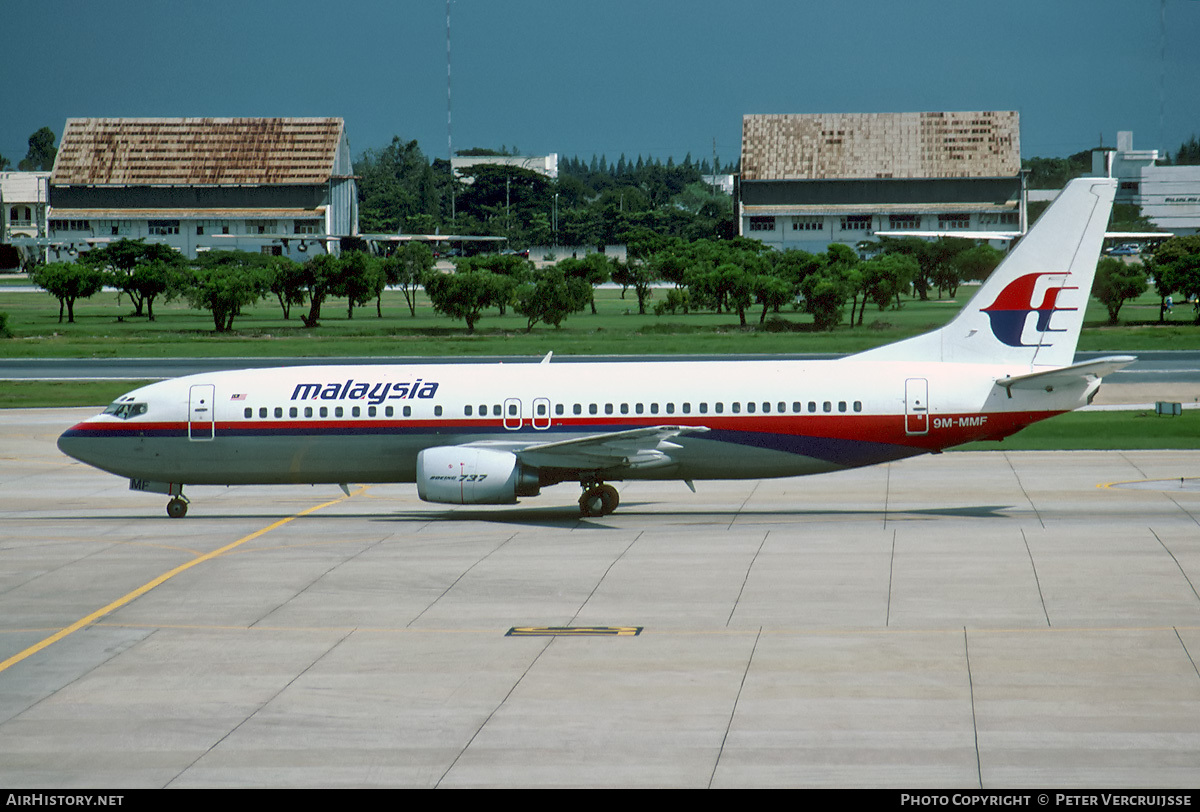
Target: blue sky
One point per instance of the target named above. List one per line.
(651, 77)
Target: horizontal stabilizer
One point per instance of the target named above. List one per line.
(1064, 376)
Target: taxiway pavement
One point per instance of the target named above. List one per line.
(992, 619)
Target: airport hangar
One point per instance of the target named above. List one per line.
(811, 180)
(282, 186)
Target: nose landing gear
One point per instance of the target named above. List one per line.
(598, 499)
(177, 507)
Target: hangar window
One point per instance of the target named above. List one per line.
(162, 228)
(856, 222)
(950, 221)
(762, 223)
(70, 225)
(808, 224)
(904, 222)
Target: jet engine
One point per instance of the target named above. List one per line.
(462, 475)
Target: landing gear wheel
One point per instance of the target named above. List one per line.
(599, 500)
(177, 508)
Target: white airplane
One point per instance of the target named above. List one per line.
(492, 433)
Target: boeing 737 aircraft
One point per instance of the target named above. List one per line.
(491, 433)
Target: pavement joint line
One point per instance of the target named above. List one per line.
(160, 580)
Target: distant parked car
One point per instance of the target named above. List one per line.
(1128, 249)
(512, 252)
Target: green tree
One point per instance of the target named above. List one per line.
(287, 283)
(40, 156)
(550, 296)
(1117, 282)
(594, 269)
(142, 271)
(67, 282)
(825, 293)
(358, 278)
(398, 189)
(407, 269)
(318, 277)
(462, 295)
(225, 288)
(1175, 265)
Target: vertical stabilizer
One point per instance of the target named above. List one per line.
(1031, 308)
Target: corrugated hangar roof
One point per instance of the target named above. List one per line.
(199, 151)
(860, 146)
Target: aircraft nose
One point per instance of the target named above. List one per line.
(74, 443)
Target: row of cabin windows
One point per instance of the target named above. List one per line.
(670, 408)
(337, 411)
(560, 409)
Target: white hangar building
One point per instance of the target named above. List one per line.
(275, 185)
(811, 180)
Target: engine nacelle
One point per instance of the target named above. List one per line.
(461, 475)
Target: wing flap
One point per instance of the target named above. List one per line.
(648, 447)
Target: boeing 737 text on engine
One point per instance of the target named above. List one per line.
(493, 433)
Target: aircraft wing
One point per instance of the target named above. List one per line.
(647, 447)
(1049, 379)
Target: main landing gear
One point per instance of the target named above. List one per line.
(177, 507)
(598, 499)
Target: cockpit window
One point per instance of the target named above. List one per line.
(126, 410)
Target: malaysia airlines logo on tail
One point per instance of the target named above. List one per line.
(1011, 309)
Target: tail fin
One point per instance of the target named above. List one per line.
(1030, 310)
